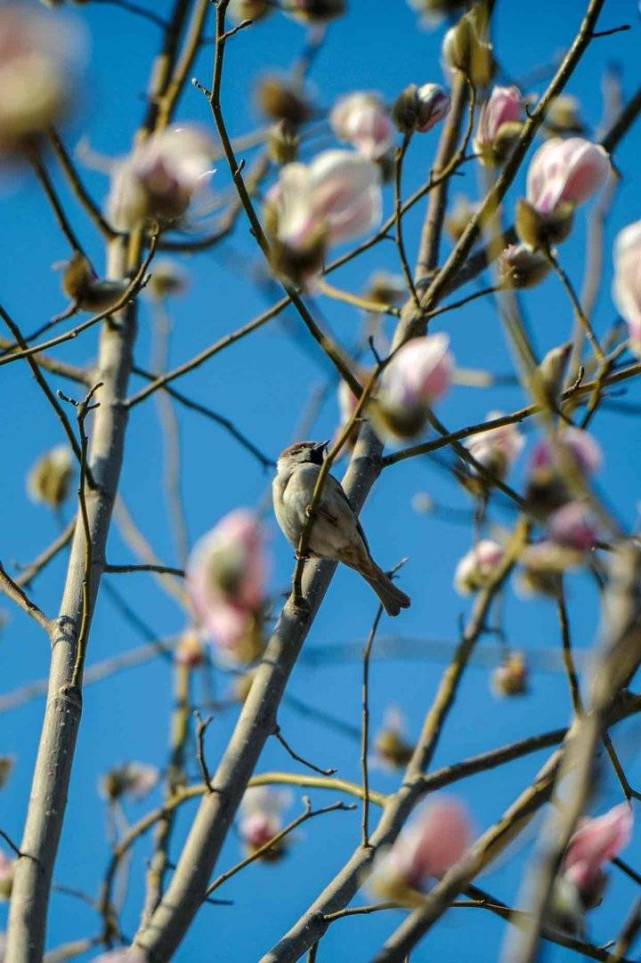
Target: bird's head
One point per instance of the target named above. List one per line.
(303, 453)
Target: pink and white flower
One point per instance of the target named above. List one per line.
(498, 448)
(478, 566)
(499, 119)
(626, 288)
(595, 843)
(419, 375)
(438, 837)
(362, 120)
(573, 526)
(226, 576)
(261, 812)
(569, 171)
(583, 448)
(159, 180)
(337, 196)
(433, 106)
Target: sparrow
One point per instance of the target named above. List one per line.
(336, 533)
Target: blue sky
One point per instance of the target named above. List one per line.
(263, 384)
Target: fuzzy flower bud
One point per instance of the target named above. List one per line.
(564, 117)
(255, 10)
(462, 210)
(595, 843)
(499, 125)
(261, 818)
(438, 837)
(498, 448)
(314, 11)
(420, 108)
(167, 279)
(521, 267)
(159, 180)
(226, 576)
(511, 677)
(311, 207)
(37, 68)
(466, 47)
(283, 143)
(7, 871)
(391, 745)
(419, 374)
(546, 489)
(189, 652)
(626, 288)
(552, 371)
(50, 479)
(362, 120)
(87, 291)
(278, 100)
(134, 779)
(476, 569)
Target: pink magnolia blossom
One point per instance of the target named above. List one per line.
(594, 844)
(584, 449)
(419, 374)
(159, 179)
(504, 106)
(337, 196)
(226, 576)
(362, 120)
(477, 567)
(498, 448)
(7, 870)
(261, 813)
(438, 837)
(570, 171)
(573, 526)
(626, 288)
(433, 105)
(38, 60)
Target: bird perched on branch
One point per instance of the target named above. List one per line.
(336, 532)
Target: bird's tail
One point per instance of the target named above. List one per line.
(392, 598)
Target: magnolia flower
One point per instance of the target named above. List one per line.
(595, 843)
(49, 480)
(261, 812)
(226, 576)
(419, 374)
(7, 870)
(160, 178)
(626, 288)
(566, 171)
(498, 448)
(421, 108)
(546, 486)
(134, 779)
(437, 838)
(582, 447)
(38, 60)
(362, 120)
(333, 199)
(499, 124)
(475, 570)
(573, 526)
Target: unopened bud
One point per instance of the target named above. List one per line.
(167, 278)
(314, 11)
(511, 677)
(539, 230)
(283, 143)
(521, 267)
(552, 371)
(461, 213)
(190, 652)
(420, 108)
(564, 116)
(241, 10)
(50, 479)
(466, 48)
(278, 100)
(392, 749)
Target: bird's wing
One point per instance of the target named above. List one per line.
(337, 489)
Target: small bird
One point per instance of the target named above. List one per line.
(336, 533)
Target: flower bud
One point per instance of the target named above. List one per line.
(546, 488)
(573, 526)
(278, 100)
(362, 120)
(167, 278)
(466, 47)
(592, 847)
(390, 745)
(255, 10)
(626, 288)
(49, 481)
(283, 143)
(386, 288)
(566, 171)
(476, 569)
(419, 374)
(6, 768)
(86, 290)
(460, 214)
(543, 565)
(522, 267)
(511, 677)
(314, 11)
(541, 231)
(134, 779)
(420, 108)
(552, 372)
(499, 125)
(261, 818)
(7, 872)
(563, 117)
(497, 449)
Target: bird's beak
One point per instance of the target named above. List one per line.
(322, 446)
